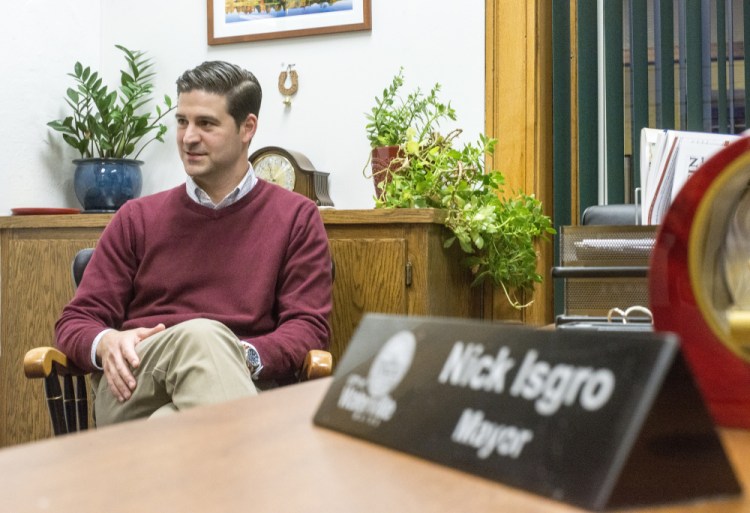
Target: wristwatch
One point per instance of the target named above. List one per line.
(252, 358)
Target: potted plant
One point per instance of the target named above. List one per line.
(394, 119)
(110, 129)
(498, 232)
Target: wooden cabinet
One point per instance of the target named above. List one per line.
(389, 261)
(393, 261)
(35, 283)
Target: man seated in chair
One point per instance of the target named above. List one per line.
(208, 291)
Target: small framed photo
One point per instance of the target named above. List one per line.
(236, 21)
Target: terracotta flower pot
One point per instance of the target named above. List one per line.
(382, 162)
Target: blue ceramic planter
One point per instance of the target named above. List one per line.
(104, 185)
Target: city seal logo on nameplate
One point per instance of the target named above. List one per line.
(596, 419)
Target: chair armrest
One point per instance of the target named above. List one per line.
(41, 361)
(318, 364)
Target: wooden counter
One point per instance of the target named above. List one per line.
(389, 261)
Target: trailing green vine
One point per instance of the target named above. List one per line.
(497, 232)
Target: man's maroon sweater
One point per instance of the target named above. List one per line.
(260, 266)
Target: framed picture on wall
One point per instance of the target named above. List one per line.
(236, 21)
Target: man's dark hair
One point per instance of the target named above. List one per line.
(240, 87)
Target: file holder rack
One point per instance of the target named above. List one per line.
(603, 267)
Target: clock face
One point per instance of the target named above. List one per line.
(293, 171)
(275, 169)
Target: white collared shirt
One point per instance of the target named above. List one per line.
(199, 195)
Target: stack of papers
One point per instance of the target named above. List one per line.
(668, 159)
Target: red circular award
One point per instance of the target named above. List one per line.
(699, 280)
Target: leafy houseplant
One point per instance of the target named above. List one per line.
(497, 232)
(111, 124)
(394, 120)
(111, 128)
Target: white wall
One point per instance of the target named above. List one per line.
(37, 48)
(339, 75)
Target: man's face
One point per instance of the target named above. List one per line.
(211, 146)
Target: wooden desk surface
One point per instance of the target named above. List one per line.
(264, 454)
(330, 216)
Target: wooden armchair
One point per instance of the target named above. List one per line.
(68, 402)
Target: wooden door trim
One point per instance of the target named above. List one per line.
(518, 64)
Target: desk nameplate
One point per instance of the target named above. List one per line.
(595, 419)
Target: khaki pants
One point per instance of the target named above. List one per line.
(194, 363)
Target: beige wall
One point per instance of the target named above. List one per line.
(339, 75)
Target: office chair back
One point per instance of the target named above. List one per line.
(616, 214)
(80, 261)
